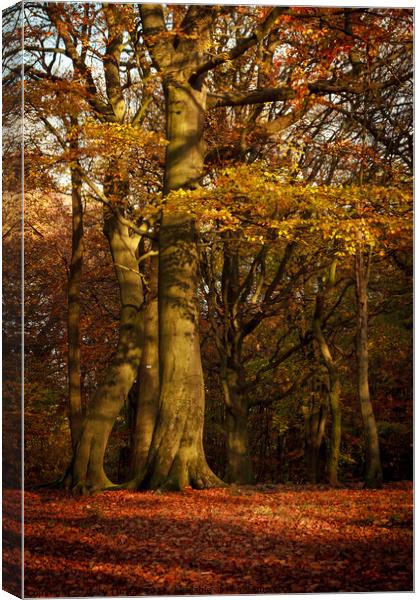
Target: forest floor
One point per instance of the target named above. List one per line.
(260, 539)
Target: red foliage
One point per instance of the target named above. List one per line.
(275, 539)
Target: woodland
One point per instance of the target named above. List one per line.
(217, 232)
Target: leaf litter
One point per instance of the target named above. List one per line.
(249, 540)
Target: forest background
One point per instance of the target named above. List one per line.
(218, 234)
(217, 298)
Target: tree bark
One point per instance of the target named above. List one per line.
(176, 457)
(239, 466)
(148, 385)
(334, 383)
(315, 416)
(88, 472)
(73, 308)
(373, 467)
(335, 437)
(238, 460)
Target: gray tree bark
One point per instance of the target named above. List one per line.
(176, 456)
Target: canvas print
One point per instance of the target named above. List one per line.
(207, 299)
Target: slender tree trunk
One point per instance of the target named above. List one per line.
(88, 463)
(335, 438)
(373, 467)
(315, 417)
(73, 308)
(334, 394)
(176, 457)
(148, 385)
(238, 460)
(239, 466)
(334, 383)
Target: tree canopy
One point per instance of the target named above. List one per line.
(218, 241)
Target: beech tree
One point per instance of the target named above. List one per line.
(334, 382)
(87, 468)
(128, 62)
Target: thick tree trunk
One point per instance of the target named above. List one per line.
(148, 385)
(88, 468)
(176, 457)
(239, 466)
(73, 308)
(373, 467)
(185, 111)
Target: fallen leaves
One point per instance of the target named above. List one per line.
(275, 540)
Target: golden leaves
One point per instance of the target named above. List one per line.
(264, 206)
(118, 138)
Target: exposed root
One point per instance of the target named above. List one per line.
(79, 489)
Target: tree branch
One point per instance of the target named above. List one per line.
(154, 29)
(140, 230)
(319, 88)
(244, 45)
(111, 62)
(258, 96)
(270, 399)
(104, 111)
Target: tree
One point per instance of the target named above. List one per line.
(73, 300)
(373, 467)
(12, 242)
(88, 459)
(114, 52)
(334, 383)
(250, 269)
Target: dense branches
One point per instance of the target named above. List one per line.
(237, 155)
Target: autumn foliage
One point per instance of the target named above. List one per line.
(217, 240)
(268, 539)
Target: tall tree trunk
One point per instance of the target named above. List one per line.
(315, 416)
(148, 385)
(176, 458)
(373, 467)
(239, 466)
(73, 307)
(238, 460)
(88, 463)
(334, 383)
(335, 437)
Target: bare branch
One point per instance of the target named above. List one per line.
(244, 45)
(253, 97)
